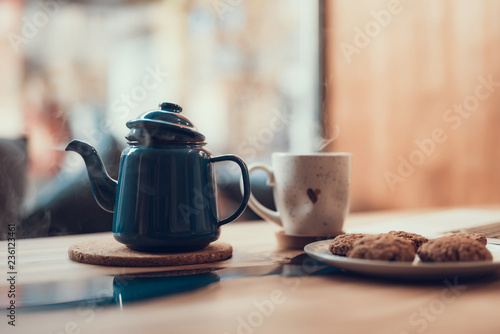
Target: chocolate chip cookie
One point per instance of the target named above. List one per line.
(383, 247)
(452, 248)
(416, 239)
(343, 243)
(474, 236)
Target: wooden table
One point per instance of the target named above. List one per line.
(338, 302)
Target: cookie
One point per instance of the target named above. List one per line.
(474, 236)
(452, 248)
(416, 239)
(383, 247)
(343, 243)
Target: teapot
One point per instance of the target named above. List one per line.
(165, 198)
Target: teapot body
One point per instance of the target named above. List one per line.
(166, 198)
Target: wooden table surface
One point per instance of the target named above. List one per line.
(338, 302)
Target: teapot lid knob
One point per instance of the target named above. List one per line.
(172, 107)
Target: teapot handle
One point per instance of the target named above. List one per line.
(246, 185)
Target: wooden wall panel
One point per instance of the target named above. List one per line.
(398, 87)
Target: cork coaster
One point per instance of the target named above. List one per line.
(286, 241)
(109, 252)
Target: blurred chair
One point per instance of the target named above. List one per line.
(13, 165)
(230, 193)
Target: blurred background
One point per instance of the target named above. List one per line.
(412, 89)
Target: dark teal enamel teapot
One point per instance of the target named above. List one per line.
(165, 198)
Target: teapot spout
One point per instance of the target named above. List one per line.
(103, 186)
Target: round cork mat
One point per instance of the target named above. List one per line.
(109, 252)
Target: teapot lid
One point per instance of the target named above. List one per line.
(164, 125)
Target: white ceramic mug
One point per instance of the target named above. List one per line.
(311, 192)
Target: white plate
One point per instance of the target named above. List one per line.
(416, 270)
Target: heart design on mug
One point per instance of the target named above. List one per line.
(313, 194)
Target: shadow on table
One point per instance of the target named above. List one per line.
(479, 280)
(125, 289)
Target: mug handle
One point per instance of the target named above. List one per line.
(254, 204)
(246, 184)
